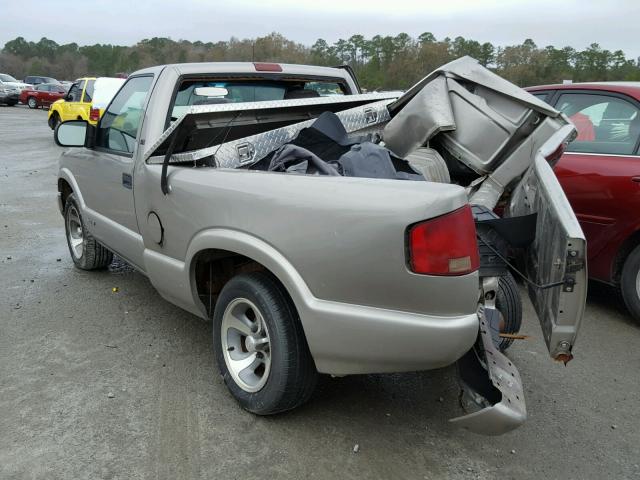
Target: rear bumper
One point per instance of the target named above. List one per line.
(491, 387)
(350, 339)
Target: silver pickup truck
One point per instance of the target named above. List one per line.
(329, 231)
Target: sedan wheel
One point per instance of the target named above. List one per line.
(32, 102)
(630, 283)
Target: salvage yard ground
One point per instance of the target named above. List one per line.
(102, 378)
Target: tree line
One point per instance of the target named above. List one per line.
(381, 62)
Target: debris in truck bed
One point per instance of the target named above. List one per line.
(325, 148)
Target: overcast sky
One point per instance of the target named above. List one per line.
(614, 24)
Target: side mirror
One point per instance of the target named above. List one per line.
(71, 134)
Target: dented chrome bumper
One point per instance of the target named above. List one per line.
(491, 386)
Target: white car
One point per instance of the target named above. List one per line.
(10, 89)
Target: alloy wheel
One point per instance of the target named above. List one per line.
(246, 345)
(75, 234)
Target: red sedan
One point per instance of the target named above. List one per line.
(42, 95)
(600, 174)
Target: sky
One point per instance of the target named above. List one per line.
(614, 24)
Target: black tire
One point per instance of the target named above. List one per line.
(93, 255)
(509, 304)
(32, 102)
(54, 119)
(11, 104)
(630, 283)
(292, 377)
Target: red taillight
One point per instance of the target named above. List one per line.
(94, 114)
(445, 245)
(267, 67)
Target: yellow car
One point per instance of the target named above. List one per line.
(86, 100)
(76, 105)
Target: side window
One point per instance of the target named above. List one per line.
(544, 96)
(119, 125)
(88, 93)
(74, 93)
(42, 88)
(80, 88)
(605, 124)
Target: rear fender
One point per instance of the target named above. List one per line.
(251, 247)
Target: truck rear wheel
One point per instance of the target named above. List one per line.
(260, 347)
(509, 304)
(86, 252)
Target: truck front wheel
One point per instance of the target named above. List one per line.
(260, 347)
(86, 252)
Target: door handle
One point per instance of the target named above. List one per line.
(636, 179)
(127, 181)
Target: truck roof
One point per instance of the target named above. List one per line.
(249, 67)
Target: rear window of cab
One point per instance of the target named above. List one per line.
(208, 92)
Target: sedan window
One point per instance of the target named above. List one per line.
(605, 124)
(541, 96)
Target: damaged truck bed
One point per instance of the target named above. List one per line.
(375, 215)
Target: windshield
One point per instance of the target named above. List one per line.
(7, 78)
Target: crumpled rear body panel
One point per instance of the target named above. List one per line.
(476, 115)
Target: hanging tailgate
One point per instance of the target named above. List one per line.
(555, 260)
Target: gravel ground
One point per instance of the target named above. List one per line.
(99, 384)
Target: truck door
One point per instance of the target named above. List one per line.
(106, 175)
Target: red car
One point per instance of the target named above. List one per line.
(600, 174)
(42, 95)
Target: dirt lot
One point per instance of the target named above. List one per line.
(68, 341)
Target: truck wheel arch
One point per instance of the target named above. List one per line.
(64, 189)
(234, 252)
(66, 185)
